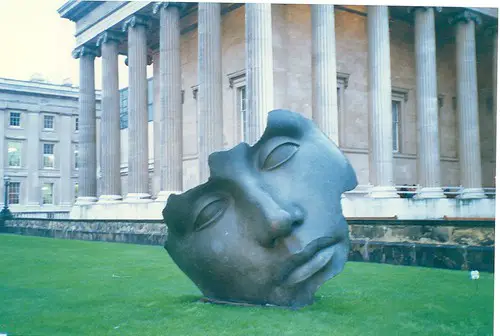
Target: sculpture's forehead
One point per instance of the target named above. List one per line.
(232, 163)
(242, 158)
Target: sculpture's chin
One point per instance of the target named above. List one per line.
(302, 294)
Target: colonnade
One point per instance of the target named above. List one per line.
(259, 79)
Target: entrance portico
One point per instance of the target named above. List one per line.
(141, 29)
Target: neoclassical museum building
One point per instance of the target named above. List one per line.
(407, 93)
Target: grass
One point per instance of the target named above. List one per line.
(67, 287)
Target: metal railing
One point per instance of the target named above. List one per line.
(408, 191)
(42, 214)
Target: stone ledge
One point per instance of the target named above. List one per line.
(354, 206)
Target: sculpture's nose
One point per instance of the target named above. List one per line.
(278, 219)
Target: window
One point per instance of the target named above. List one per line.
(48, 122)
(76, 124)
(399, 98)
(242, 109)
(237, 82)
(14, 153)
(76, 156)
(15, 119)
(14, 192)
(48, 155)
(396, 125)
(123, 108)
(342, 83)
(76, 191)
(47, 193)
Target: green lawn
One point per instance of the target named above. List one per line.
(67, 287)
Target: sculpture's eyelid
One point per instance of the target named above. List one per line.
(221, 204)
(272, 144)
(266, 154)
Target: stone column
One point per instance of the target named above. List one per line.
(467, 104)
(171, 95)
(156, 187)
(259, 67)
(110, 119)
(33, 164)
(324, 71)
(379, 103)
(210, 84)
(65, 150)
(429, 159)
(138, 174)
(87, 179)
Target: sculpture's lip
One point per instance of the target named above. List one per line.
(311, 259)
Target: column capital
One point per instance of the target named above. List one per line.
(109, 36)
(465, 16)
(85, 50)
(136, 20)
(413, 9)
(164, 5)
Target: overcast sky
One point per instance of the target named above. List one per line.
(34, 39)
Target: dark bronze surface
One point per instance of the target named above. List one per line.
(267, 227)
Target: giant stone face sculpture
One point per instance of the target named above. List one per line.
(267, 227)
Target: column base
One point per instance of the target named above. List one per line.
(82, 200)
(110, 198)
(163, 195)
(471, 193)
(383, 192)
(138, 198)
(430, 192)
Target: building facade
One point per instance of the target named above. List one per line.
(408, 93)
(39, 141)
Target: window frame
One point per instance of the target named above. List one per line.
(76, 157)
(48, 117)
(242, 112)
(20, 143)
(51, 184)
(75, 191)
(9, 192)
(19, 119)
(44, 155)
(342, 84)
(399, 95)
(238, 81)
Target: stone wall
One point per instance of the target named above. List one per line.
(460, 245)
(136, 232)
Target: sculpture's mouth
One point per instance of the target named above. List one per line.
(314, 257)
